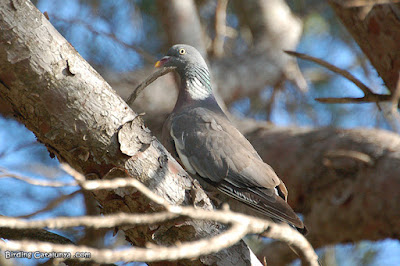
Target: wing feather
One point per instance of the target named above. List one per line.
(214, 149)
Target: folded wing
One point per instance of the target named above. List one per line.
(215, 150)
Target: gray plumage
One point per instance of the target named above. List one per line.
(202, 138)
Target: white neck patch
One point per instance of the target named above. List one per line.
(197, 90)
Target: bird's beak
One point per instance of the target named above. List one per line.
(162, 61)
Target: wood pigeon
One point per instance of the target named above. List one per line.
(201, 137)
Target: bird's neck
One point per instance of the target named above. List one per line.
(197, 82)
(195, 88)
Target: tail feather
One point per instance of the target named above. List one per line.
(266, 202)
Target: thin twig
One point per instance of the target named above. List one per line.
(240, 226)
(294, 240)
(36, 234)
(362, 3)
(147, 82)
(19, 147)
(5, 174)
(366, 99)
(107, 221)
(114, 184)
(146, 56)
(369, 95)
(52, 204)
(342, 72)
(156, 253)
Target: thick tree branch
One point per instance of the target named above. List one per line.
(376, 29)
(343, 198)
(344, 182)
(71, 109)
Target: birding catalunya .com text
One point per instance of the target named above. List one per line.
(45, 255)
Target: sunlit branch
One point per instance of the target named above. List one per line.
(241, 225)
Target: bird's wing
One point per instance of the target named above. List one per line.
(210, 146)
(166, 138)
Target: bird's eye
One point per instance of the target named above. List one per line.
(182, 51)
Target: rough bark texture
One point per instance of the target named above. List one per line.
(77, 115)
(376, 29)
(344, 182)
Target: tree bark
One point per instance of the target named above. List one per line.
(344, 196)
(77, 115)
(376, 29)
(344, 182)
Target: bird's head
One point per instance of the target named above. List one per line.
(182, 57)
(192, 69)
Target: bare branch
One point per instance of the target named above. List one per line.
(295, 241)
(5, 174)
(342, 72)
(19, 147)
(146, 55)
(72, 139)
(241, 225)
(181, 251)
(52, 204)
(365, 24)
(107, 221)
(366, 99)
(147, 82)
(36, 234)
(361, 3)
(114, 184)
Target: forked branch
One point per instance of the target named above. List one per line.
(369, 95)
